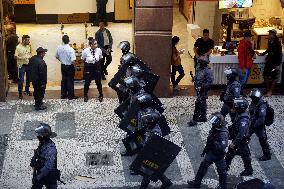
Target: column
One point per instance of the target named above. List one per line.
(153, 22)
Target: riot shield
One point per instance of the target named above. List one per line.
(163, 123)
(129, 121)
(134, 142)
(122, 109)
(150, 80)
(156, 156)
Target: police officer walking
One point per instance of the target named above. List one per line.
(44, 161)
(202, 83)
(92, 70)
(232, 91)
(66, 55)
(239, 134)
(150, 120)
(215, 151)
(38, 74)
(257, 111)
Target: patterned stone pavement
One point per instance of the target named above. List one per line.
(88, 131)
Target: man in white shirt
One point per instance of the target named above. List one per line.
(92, 69)
(66, 55)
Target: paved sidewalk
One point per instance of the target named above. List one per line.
(89, 130)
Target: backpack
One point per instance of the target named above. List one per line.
(269, 118)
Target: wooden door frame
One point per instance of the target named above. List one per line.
(3, 65)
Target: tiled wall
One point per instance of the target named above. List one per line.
(264, 9)
(205, 14)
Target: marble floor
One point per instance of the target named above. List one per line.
(49, 36)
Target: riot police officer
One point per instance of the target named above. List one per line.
(202, 83)
(150, 120)
(232, 91)
(215, 151)
(44, 161)
(124, 47)
(257, 111)
(239, 134)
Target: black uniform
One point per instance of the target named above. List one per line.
(44, 163)
(239, 133)
(202, 82)
(38, 74)
(232, 91)
(215, 151)
(146, 181)
(258, 114)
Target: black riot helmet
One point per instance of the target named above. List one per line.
(124, 47)
(217, 120)
(255, 95)
(240, 105)
(136, 71)
(231, 74)
(144, 99)
(43, 130)
(151, 118)
(132, 82)
(128, 59)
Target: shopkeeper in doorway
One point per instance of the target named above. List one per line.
(92, 70)
(66, 55)
(202, 48)
(104, 39)
(272, 62)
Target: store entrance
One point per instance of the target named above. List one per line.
(48, 31)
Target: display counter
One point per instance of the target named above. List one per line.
(219, 63)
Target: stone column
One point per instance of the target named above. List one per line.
(3, 68)
(153, 22)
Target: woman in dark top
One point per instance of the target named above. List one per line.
(176, 64)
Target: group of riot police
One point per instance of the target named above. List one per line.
(145, 126)
(141, 113)
(246, 119)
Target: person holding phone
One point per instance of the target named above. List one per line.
(176, 64)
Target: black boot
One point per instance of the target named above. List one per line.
(86, 98)
(166, 183)
(266, 150)
(248, 168)
(101, 94)
(200, 175)
(193, 184)
(20, 96)
(222, 178)
(145, 183)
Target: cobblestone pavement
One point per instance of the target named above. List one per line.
(89, 131)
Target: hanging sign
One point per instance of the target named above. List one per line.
(25, 2)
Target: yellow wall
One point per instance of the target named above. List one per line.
(69, 6)
(264, 9)
(122, 10)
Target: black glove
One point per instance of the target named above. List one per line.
(222, 96)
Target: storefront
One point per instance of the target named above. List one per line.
(145, 32)
(69, 11)
(227, 20)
